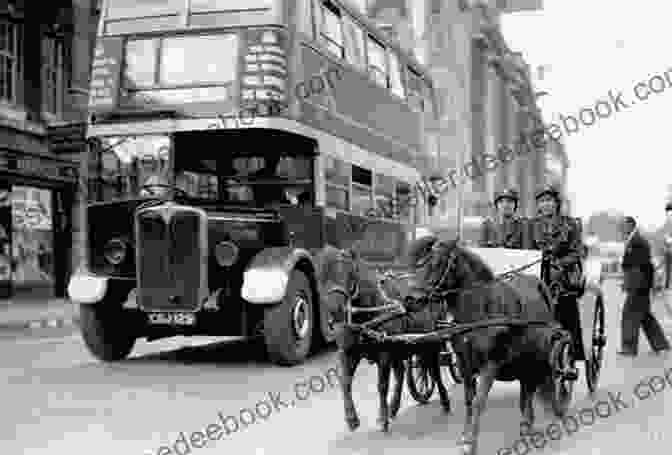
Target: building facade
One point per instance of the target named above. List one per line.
(485, 94)
(44, 62)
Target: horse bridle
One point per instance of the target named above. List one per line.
(352, 294)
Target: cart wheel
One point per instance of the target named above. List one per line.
(420, 382)
(596, 354)
(562, 379)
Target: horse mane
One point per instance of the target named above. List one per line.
(420, 248)
(475, 265)
(472, 264)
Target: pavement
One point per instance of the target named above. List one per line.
(172, 393)
(37, 315)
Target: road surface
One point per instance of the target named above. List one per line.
(56, 399)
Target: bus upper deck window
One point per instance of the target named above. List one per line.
(131, 9)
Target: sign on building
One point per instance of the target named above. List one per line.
(515, 6)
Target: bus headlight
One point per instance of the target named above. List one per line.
(115, 251)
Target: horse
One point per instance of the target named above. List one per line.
(506, 353)
(347, 281)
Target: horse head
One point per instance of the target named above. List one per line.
(347, 280)
(444, 266)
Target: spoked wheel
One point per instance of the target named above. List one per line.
(562, 379)
(420, 382)
(596, 354)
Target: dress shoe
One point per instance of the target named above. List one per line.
(626, 353)
(661, 351)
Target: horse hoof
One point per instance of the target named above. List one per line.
(467, 449)
(353, 423)
(384, 425)
(446, 407)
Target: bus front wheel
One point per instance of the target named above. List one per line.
(290, 325)
(105, 331)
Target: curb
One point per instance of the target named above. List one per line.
(57, 323)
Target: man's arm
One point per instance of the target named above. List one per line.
(575, 248)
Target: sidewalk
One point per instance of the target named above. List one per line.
(26, 315)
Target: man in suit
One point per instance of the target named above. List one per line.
(506, 231)
(668, 244)
(637, 283)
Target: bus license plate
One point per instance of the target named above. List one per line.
(172, 318)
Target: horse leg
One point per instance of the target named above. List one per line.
(435, 372)
(349, 362)
(527, 389)
(469, 395)
(486, 378)
(384, 368)
(399, 370)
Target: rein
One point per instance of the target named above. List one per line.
(481, 285)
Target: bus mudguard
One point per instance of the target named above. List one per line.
(86, 288)
(266, 277)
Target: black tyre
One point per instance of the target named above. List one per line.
(420, 382)
(290, 325)
(561, 387)
(599, 340)
(105, 330)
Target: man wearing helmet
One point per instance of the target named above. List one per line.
(559, 238)
(507, 229)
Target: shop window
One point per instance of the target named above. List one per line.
(52, 74)
(406, 200)
(362, 191)
(32, 237)
(337, 175)
(384, 195)
(332, 33)
(10, 60)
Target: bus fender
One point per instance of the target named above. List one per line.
(86, 288)
(266, 277)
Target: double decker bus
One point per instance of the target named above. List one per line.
(199, 223)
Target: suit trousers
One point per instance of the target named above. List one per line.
(637, 314)
(668, 269)
(567, 314)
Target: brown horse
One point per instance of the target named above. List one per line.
(346, 280)
(505, 352)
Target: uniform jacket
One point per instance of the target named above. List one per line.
(636, 264)
(503, 234)
(559, 237)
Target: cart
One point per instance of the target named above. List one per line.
(504, 262)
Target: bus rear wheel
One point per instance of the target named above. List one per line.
(105, 332)
(290, 325)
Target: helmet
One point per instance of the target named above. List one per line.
(548, 190)
(509, 193)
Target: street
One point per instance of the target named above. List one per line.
(58, 400)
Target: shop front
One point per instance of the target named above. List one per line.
(36, 194)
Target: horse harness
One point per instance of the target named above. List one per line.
(398, 306)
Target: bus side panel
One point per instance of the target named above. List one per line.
(351, 106)
(377, 241)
